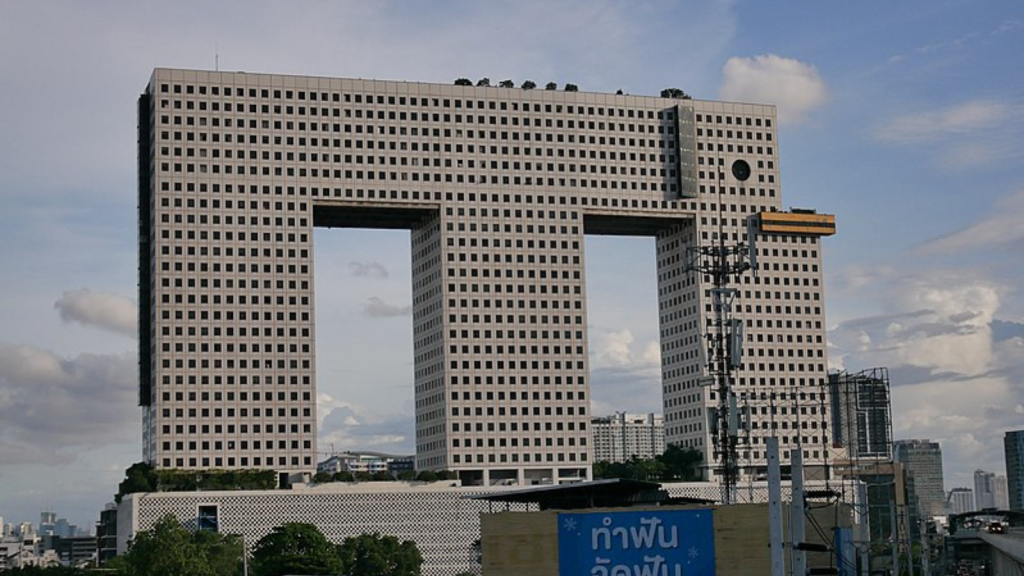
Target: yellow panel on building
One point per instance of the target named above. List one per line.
(797, 222)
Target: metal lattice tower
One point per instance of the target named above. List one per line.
(724, 263)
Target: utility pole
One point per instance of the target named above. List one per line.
(724, 263)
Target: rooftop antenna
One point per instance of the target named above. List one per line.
(216, 57)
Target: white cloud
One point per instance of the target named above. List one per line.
(1000, 229)
(966, 416)
(957, 371)
(619, 349)
(613, 349)
(107, 311)
(794, 87)
(948, 122)
(368, 270)
(652, 353)
(625, 376)
(348, 427)
(378, 308)
(325, 404)
(939, 324)
(50, 407)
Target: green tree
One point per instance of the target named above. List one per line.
(528, 85)
(407, 475)
(382, 476)
(463, 82)
(138, 477)
(507, 84)
(675, 93)
(323, 477)
(344, 476)
(171, 550)
(681, 463)
(295, 548)
(572, 88)
(427, 476)
(485, 81)
(376, 555)
(645, 468)
(551, 86)
(608, 470)
(223, 552)
(446, 475)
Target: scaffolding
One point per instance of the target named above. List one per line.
(863, 442)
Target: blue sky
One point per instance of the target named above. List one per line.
(903, 119)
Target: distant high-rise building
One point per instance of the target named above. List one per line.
(861, 417)
(922, 460)
(1002, 492)
(619, 437)
(1013, 445)
(47, 523)
(984, 490)
(960, 501)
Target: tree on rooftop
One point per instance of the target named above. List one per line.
(463, 82)
(551, 86)
(529, 85)
(138, 477)
(675, 93)
(485, 81)
(507, 84)
(572, 88)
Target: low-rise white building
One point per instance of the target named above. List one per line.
(370, 462)
(21, 551)
(442, 518)
(960, 501)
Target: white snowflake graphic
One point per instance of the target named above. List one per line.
(693, 553)
(570, 524)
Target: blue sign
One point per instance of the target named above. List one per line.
(649, 543)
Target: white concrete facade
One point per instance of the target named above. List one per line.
(497, 187)
(621, 436)
(960, 501)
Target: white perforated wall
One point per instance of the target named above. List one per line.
(442, 520)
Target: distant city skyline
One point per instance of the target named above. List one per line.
(911, 139)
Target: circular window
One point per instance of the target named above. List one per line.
(741, 170)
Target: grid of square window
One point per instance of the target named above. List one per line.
(497, 188)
